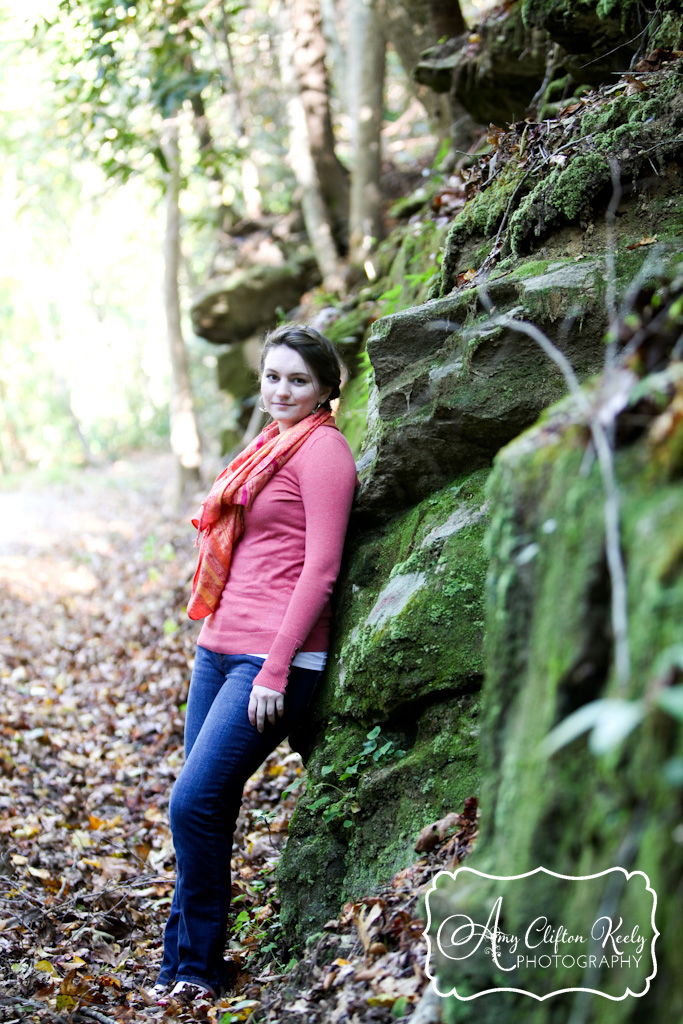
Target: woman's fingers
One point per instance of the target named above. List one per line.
(265, 703)
(276, 707)
(251, 710)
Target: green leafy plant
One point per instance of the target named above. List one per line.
(293, 786)
(372, 752)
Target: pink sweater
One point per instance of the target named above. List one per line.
(283, 569)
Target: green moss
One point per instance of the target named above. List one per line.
(482, 215)
(667, 32)
(529, 268)
(371, 835)
(414, 267)
(559, 197)
(416, 672)
(434, 640)
(548, 651)
(580, 183)
(539, 197)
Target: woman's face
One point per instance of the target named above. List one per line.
(290, 390)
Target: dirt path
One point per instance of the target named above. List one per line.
(95, 657)
(53, 536)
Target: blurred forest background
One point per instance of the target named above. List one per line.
(135, 141)
(176, 177)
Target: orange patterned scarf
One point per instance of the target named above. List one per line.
(221, 516)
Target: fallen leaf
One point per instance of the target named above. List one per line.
(648, 240)
(367, 922)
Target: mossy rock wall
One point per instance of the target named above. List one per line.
(407, 650)
(407, 657)
(548, 652)
(552, 184)
(454, 380)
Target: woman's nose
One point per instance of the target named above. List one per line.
(282, 389)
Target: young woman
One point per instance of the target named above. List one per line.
(273, 530)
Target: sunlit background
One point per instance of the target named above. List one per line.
(83, 359)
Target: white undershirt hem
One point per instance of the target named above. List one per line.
(314, 660)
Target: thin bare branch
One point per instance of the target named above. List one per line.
(603, 448)
(611, 262)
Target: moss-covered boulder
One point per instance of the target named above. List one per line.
(547, 186)
(550, 651)
(601, 36)
(391, 741)
(233, 307)
(455, 380)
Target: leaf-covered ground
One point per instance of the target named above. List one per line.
(95, 659)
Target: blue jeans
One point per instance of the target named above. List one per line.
(222, 750)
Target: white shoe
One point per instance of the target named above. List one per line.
(187, 992)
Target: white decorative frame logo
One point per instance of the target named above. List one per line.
(510, 878)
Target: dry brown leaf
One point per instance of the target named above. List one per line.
(367, 922)
(647, 240)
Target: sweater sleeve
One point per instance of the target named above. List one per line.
(327, 480)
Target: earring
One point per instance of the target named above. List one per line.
(260, 405)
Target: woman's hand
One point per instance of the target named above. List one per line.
(265, 703)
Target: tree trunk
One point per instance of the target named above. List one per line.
(410, 28)
(185, 443)
(314, 87)
(242, 117)
(336, 51)
(365, 221)
(447, 19)
(17, 452)
(316, 214)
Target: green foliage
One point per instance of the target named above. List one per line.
(610, 721)
(337, 809)
(122, 72)
(352, 415)
(123, 69)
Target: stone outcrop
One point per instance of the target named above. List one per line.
(454, 379)
(526, 57)
(405, 664)
(232, 308)
(550, 651)
(494, 72)
(599, 37)
(544, 184)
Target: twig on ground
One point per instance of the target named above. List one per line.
(89, 1014)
